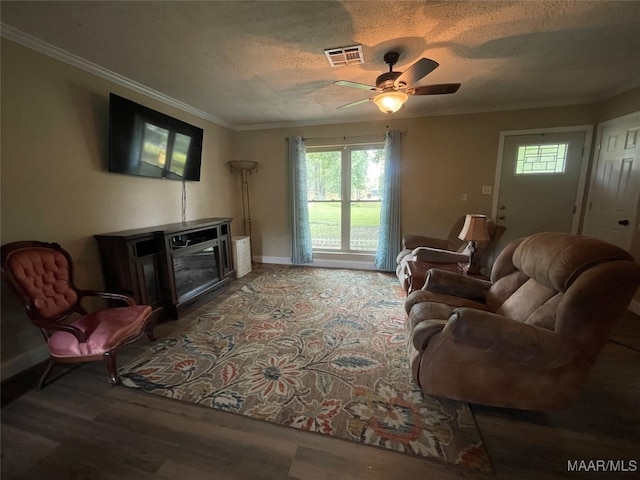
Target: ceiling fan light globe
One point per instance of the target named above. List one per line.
(390, 102)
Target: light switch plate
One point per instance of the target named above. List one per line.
(486, 190)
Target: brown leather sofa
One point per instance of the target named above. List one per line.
(527, 338)
(421, 253)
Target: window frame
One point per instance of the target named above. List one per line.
(345, 194)
(540, 147)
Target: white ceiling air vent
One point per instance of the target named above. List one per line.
(339, 57)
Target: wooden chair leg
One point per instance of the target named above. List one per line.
(149, 331)
(46, 373)
(110, 361)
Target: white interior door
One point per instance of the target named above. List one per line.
(541, 181)
(615, 183)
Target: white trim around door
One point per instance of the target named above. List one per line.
(584, 165)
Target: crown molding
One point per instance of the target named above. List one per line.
(40, 46)
(400, 115)
(34, 43)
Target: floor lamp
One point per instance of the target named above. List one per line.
(246, 168)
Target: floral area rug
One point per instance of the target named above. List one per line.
(315, 349)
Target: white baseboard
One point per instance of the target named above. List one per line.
(23, 362)
(274, 260)
(324, 263)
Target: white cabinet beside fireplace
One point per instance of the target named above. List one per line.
(241, 247)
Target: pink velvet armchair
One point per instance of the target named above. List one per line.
(41, 274)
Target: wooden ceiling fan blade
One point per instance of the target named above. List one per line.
(415, 72)
(438, 89)
(357, 102)
(362, 86)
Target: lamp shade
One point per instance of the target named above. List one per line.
(389, 102)
(474, 228)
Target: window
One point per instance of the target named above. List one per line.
(536, 159)
(157, 141)
(344, 186)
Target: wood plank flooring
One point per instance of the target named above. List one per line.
(80, 427)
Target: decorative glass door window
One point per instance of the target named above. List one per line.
(344, 186)
(537, 159)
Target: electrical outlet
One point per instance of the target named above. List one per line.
(463, 197)
(486, 190)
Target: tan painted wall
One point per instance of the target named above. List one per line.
(443, 158)
(55, 186)
(618, 105)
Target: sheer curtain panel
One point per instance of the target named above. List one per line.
(389, 240)
(302, 251)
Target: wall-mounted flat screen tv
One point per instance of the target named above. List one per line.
(151, 144)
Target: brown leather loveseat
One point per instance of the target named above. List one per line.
(528, 338)
(421, 253)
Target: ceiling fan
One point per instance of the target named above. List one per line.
(395, 87)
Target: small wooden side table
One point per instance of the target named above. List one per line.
(463, 268)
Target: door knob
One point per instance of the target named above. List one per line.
(623, 222)
(501, 217)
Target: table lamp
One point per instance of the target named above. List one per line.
(474, 230)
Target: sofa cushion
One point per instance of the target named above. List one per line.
(528, 301)
(557, 259)
(550, 307)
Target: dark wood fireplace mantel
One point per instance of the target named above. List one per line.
(171, 267)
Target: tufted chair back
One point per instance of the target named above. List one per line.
(41, 274)
(558, 282)
(42, 278)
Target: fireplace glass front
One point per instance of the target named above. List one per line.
(195, 270)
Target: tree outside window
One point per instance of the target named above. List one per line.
(344, 197)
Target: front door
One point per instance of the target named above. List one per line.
(541, 182)
(613, 196)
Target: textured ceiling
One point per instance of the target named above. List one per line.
(256, 64)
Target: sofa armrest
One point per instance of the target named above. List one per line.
(411, 241)
(438, 255)
(457, 285)
(423, 332)
(505, 337)
(126, 299)
(404, 255)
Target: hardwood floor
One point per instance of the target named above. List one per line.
(80, 427)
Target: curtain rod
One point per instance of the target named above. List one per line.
(351, 137)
